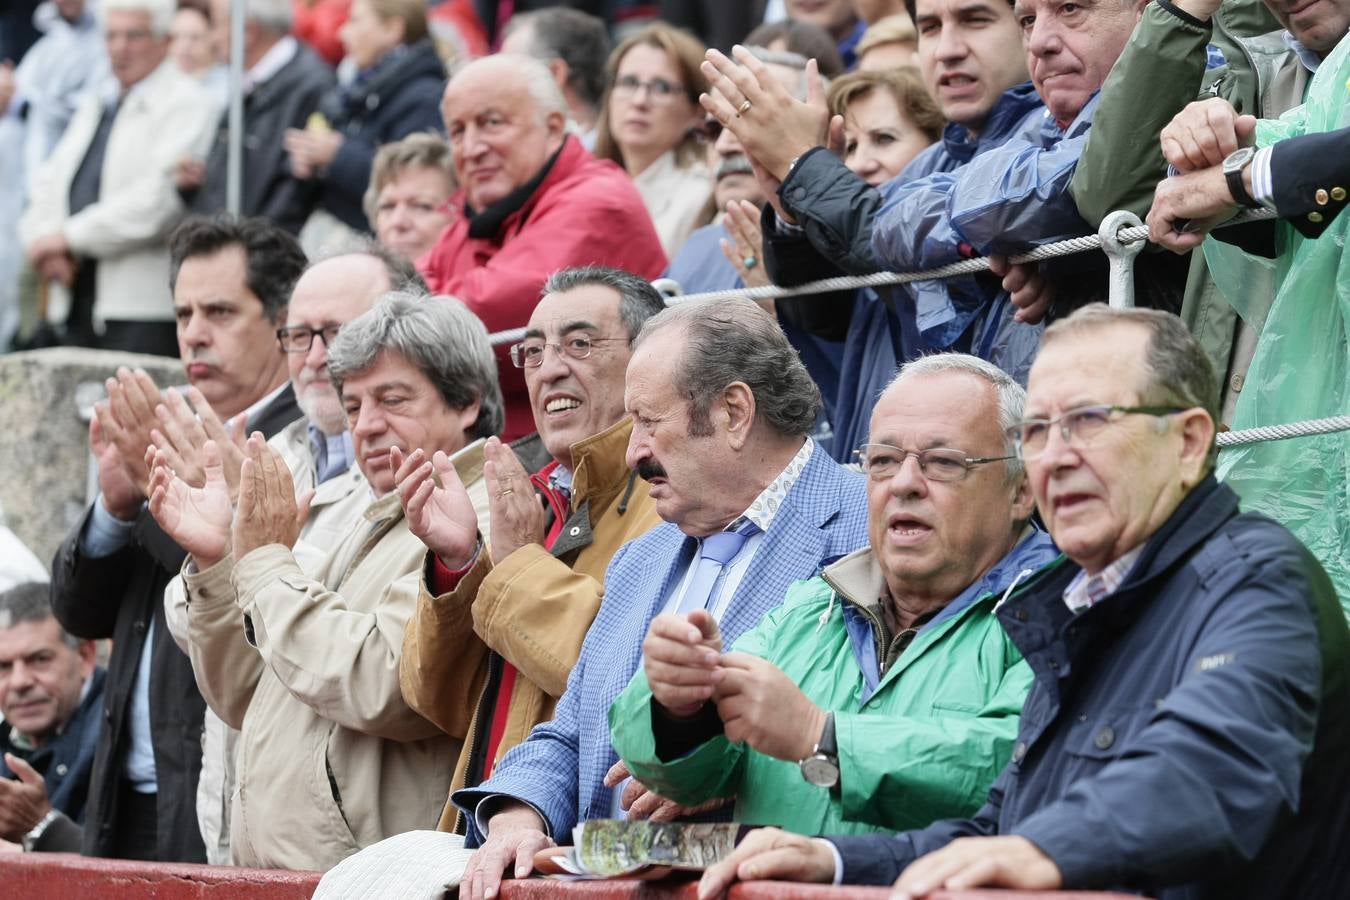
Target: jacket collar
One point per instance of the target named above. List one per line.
(1008, 112)
(857, 578)
(492, 222)
(599, 461)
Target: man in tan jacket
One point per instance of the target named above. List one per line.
(531, 593)
(330, 758)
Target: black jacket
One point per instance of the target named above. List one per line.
(118, 596)
(1311, 174)
(64, 762)
(283, 101)
(1186, 737)
(400, 98)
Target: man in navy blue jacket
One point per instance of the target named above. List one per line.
(51, 698)
(1187, 731)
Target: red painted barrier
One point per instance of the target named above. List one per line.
(61, 876)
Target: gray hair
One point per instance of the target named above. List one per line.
(1011, 396)
(438, 335)
(638, 300)
(161, 12)
(577, 38)
(30, 602)
(543, 90)
(274, 15)
(788, 60)
(1178, 371)
(398, 269)
(735, 340)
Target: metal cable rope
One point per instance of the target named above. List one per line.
(1128, 235)
(1282, 432)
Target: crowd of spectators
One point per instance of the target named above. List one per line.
(466, 520)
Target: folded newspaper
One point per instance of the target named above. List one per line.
(613, 848)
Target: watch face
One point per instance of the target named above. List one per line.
(820, 770)
(1238, 158)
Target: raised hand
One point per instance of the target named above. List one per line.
(680, 658)
(268, 512)
(132, 398)
(440, 516)
(197, 518)
(121, 497)
(186, 423)
(517, 515)
(775, 128)
(745, 248)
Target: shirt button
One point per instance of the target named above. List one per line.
(1019, 751)
(574, 530)
(1235, 383)
(1321, 196)
(62, 769)
(1105, 738)
(1315, 217)
(1338, 194)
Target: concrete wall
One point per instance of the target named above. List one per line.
(44, 444)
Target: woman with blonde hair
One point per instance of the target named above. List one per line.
(649, 123)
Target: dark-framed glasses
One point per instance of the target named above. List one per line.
(299, 338)
(529, 353)
(660, 90)
(881, 462)
(1078, 427)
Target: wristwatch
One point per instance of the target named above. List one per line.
(35, 834)
(821, 768)
(1233, 167)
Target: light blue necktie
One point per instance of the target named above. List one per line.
(715, 551)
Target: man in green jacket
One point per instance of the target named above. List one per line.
(882, 694)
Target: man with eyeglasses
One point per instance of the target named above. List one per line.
(882, 693)
(532, 201)
(1187, 731)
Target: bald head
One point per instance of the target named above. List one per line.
(505, 117)
(329, 294)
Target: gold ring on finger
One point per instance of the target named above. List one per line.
(744, 107)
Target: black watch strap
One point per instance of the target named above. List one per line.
(827, 743)
(1236, 186)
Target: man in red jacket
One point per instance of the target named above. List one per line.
(531, 201)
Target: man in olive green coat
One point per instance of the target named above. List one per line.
(882, 694)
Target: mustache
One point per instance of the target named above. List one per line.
(733, 165)
(648, 469)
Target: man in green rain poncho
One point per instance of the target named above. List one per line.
(1299, 166)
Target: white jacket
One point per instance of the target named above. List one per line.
(164, 116)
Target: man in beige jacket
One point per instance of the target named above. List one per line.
(330, 758)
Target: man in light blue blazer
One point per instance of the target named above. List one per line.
(721, 409)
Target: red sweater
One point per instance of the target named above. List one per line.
(586, 211)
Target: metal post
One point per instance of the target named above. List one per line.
(1121, 256)
(234, 166)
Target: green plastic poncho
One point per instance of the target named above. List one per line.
(1300, 369)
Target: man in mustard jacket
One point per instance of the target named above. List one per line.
(531, 592)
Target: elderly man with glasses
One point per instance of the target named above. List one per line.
(1187, 731)
(881, 694)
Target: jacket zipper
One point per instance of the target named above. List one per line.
(477, 740)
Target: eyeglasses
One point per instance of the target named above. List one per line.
(660, 90)
(530, 354)
(1078, 427)
(882, 462)
(299, 338)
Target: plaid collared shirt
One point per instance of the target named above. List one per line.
(1088, 590)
